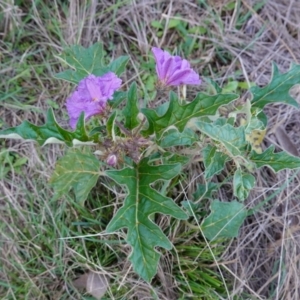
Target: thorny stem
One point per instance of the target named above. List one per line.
(125, 130)
(139, 127)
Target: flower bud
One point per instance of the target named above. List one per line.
(112, 160)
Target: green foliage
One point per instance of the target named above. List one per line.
(48, 133)
(141, 202)
(278, 89)
(233, 138)
(173, 137)
(78, 170)
(224, 220)
(131, 109)
(192, 275)
(153, 172)
(178, 115)
(10, 161)
(173, 158)
(214, 160)
(234, 86)
(119, 97)
(205, 191)
(110, 124)
(276, 161)
(186, 43)
(243, 183)
(190, 207)
(86, 61)
(118, 65)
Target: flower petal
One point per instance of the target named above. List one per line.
(173, 70)
(185, 76)
(109, 83)
(91, 96)
(93, 88)
(159, 58)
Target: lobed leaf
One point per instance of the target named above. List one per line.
(216, 89)
(119, 97)
(173, 137)
(278, 89)
(48, 133)
(190, 207)
(233, 138)
(118, 65)
(224, 220)
(178, 115)
(172, 158)
(78, 170)
(205, 191)
(243, 183)
(214, 160)
(85, 61)
(276, 161)
(131, 110)
(141, 202)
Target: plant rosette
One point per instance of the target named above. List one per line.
(139, 147)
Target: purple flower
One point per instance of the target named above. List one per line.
(91, 96)
(173, 70)
(112, 160)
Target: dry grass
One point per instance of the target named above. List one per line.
(239, 43)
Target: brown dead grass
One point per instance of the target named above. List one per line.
(264, 260)
(266, 254)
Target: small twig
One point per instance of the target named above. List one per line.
(139, 127)
(125, 130)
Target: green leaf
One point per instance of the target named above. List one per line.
(172, 158)
(278, 88)
(157, 24)
(141, 202)
(243, 183)
(254, 124)
(178, 115)
(118, 66)
(216, 89)
(110, 124)
(70, 75)
(214, 160)
(131, 109)
(98, 130)
(205, 191)
(230, 87)
(190, 207)
(78, 170)
(233, 138)
(221, 121)
(175, 138)
(276, 161)
(173, 23)
(49, 133)
(119, 97)
(85, 61)
(224, 220)
(263, 118)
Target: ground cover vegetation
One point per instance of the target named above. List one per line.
(51, 245)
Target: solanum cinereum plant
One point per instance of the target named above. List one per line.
(140, 147)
